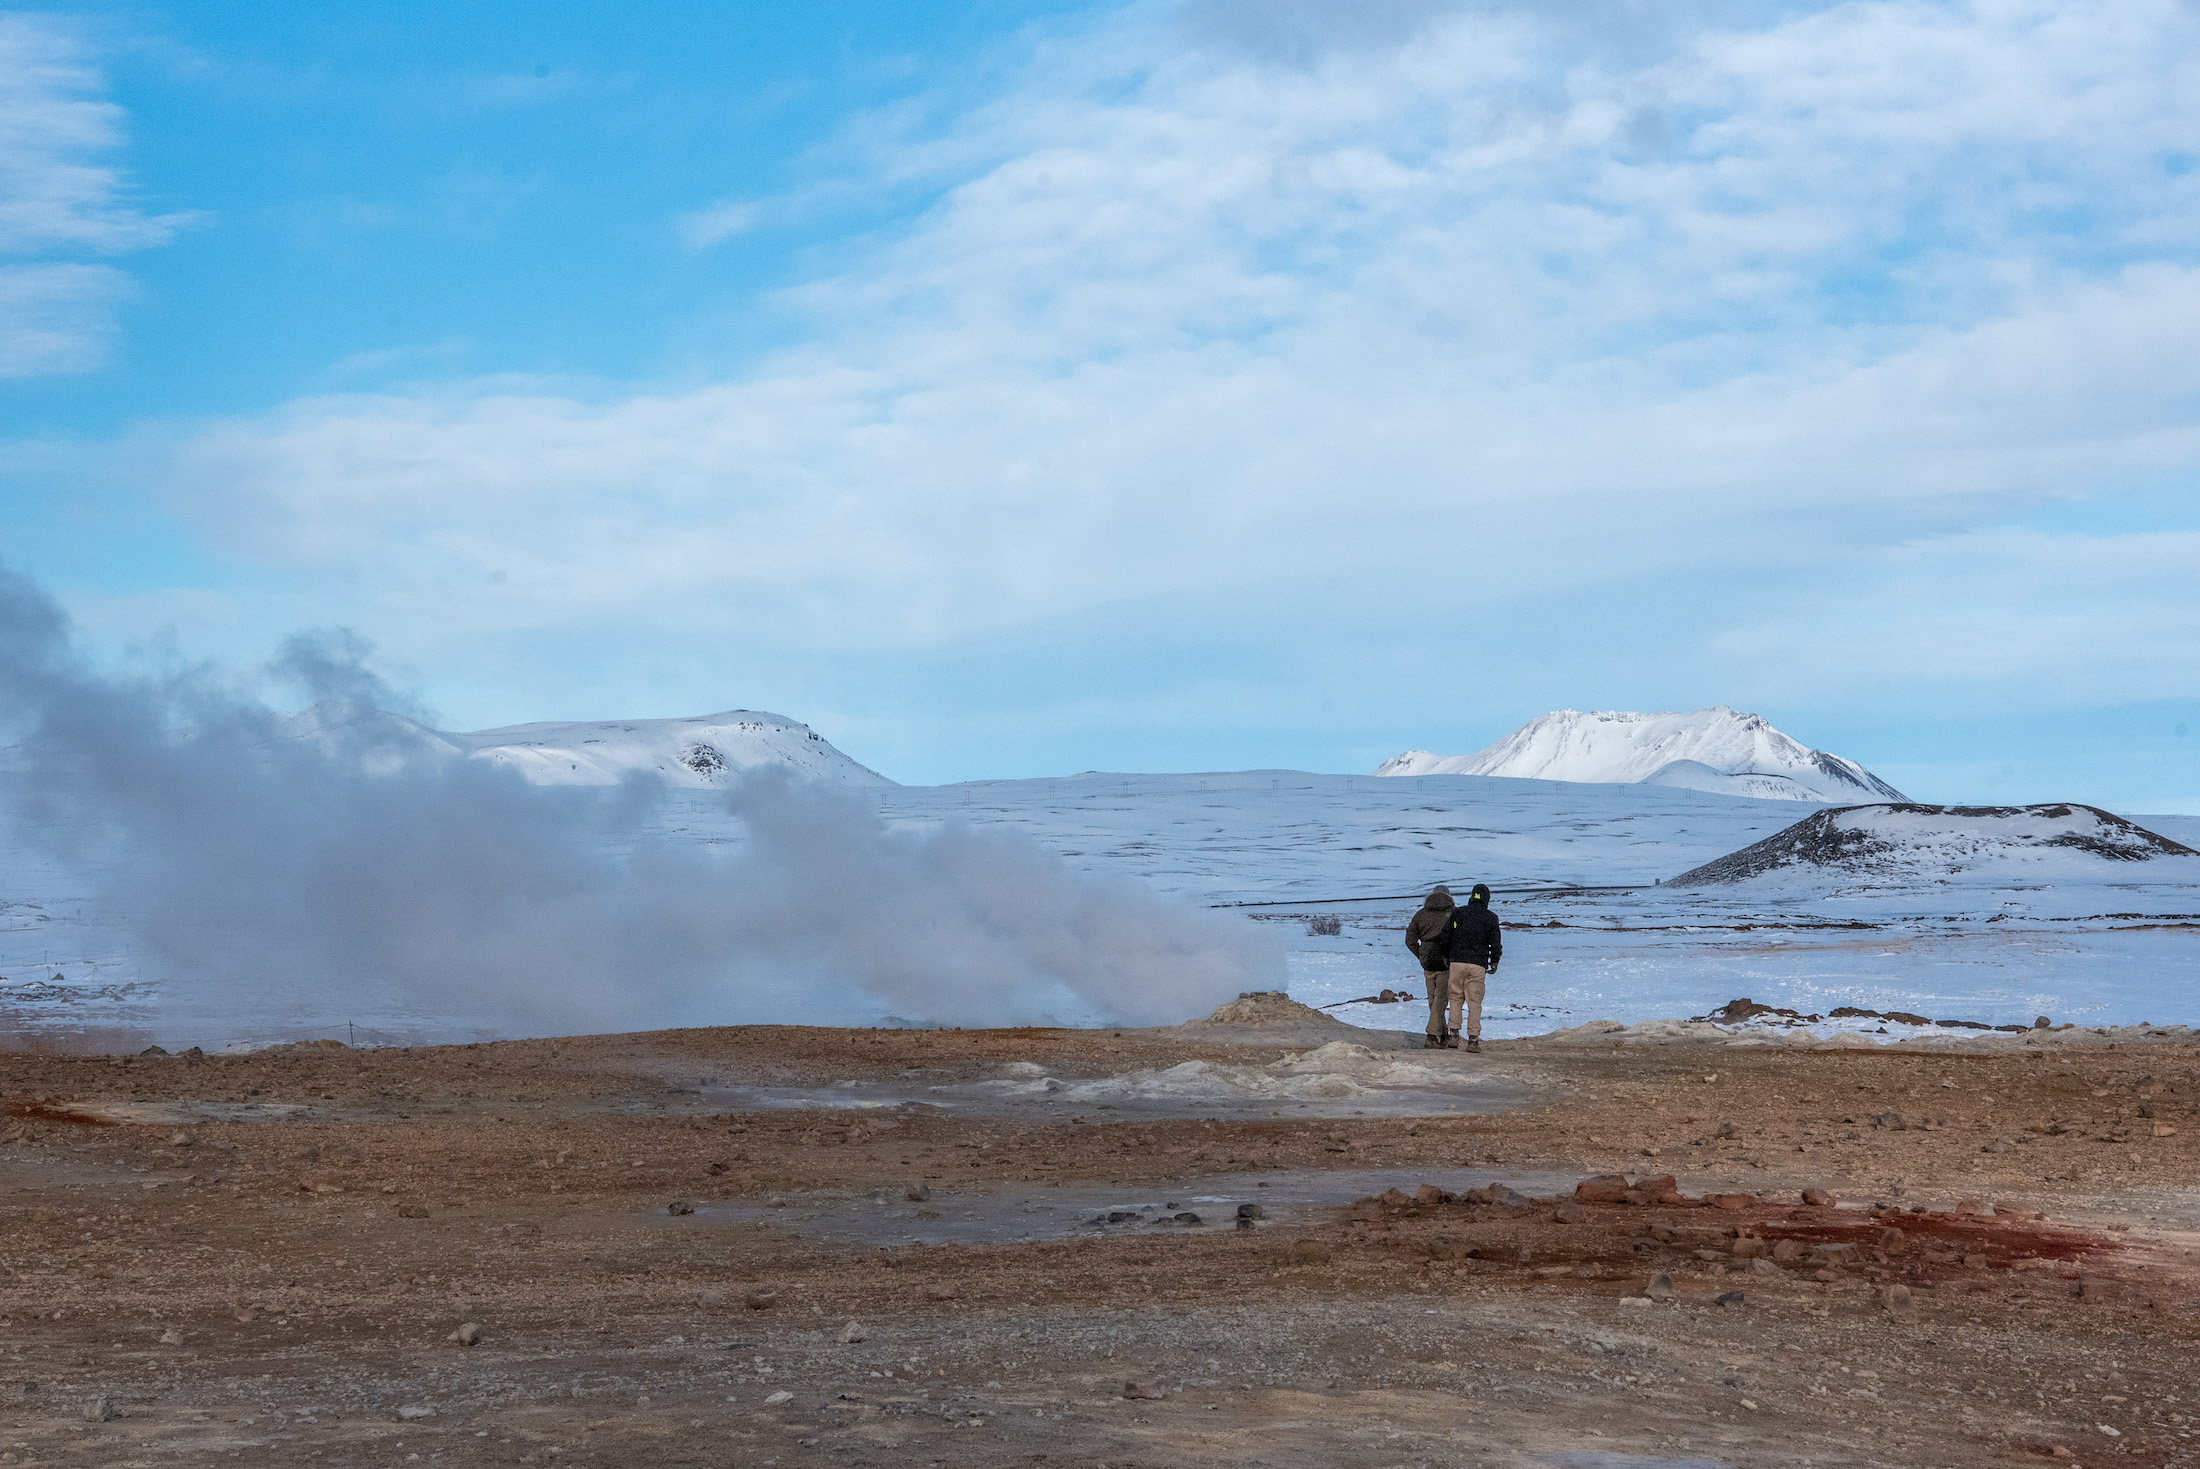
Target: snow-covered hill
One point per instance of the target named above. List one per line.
(701, 751)
(1908, 842)
(1716, 749)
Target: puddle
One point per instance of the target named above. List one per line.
(1340, 1079)
(1013, 1215)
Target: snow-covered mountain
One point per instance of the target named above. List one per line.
(1716, 749)
(1910, 842)
(699, 751)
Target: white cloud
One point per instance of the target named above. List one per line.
(57, 318)
(1186, 324)
(58, 199)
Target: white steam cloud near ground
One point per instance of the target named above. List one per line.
(246, 855)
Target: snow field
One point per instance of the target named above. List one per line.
(2085, 940)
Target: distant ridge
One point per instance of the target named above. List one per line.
(1907, 841)
(1718, 749)
(700, 751)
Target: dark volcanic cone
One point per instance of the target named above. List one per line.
(1902, 839)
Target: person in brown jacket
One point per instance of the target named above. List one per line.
(1425, 937)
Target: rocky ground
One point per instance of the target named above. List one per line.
(485, 1255)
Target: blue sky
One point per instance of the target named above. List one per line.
(1009, 389)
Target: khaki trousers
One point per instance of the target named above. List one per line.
(1448, 993)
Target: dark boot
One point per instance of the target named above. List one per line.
(1474, 1043)
(1451, 1040)
(1431, 1042)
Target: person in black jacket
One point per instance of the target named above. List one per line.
(1474, 943)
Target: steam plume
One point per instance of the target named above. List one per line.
(319, 863)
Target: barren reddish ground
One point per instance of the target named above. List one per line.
(283, 1291)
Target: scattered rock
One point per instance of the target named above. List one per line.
(415, 1410)
(1138, 1389)
(1569, 1212)
(1428, 1193)
(1661, 1288)
(1249, 1211)
(1748, 1247)
(1730, 1298)
(1186, 1217)
(1657, 1187)
(850, 1334)
(1892, 1121)
(171, 1338)
(1605, 1188)
(180, 1140)
(100, 1410)
(1819, 1198)
(1762, 1266)
(1971, 1206)
(1505, 1197)
(917, 1193)
(412, 1211)
(679, 1206)
(1727, 1130)
(468, 1334)
(1900, 1304)
(1788, 1251)
(773, 1400)
(760, 1300)
(2165, 1129)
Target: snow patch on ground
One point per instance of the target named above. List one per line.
(1606, 1034)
